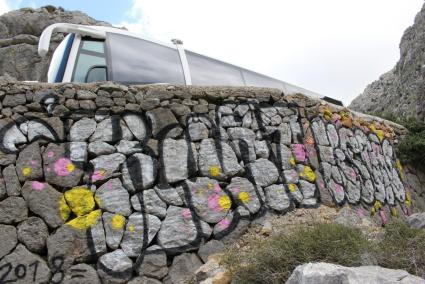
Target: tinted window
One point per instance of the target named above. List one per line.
(208, 71)
(96, 74)
(258, 80)
(84, 63)
(91, 54)
(136, 60)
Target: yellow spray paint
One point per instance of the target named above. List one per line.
(292, 187)
(80, 200)
(327, 114)
(394, 212)
(244, 197)
(118, 222)
(224, 202)
(408, 200)
(292, 161)
(26, 171)
(214, 171)
(308, 174)
(85, 221)
(64, 210)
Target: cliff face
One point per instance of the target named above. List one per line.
(401, 91)
(19, 35)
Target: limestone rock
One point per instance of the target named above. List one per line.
(114, 225)
(245, 194)
(210, 202)
(45, 201)
(33, 233)
(170, 195)
(277, 198)
(58, 167)
(324, 273)
(197, 131)
(164, 123)
(139, 172)
(9, 237)
(210, 248)
(12, 210)
(114, 267)
(263, 172)
(12, 136)
(152, 204)
(81, 274)
(218, 163)
(104, 166)
(98, 148)
(154, 263)
(144, 280)
(13, 187)
(417, 220)
(78, 152)
(82, 129)
(183, 268)
(137, 125)
(113, 198)
(21, 260)
(111, 130)
(178, 231)
(175, 157)
(320, 133)
(129, 147)
(141, 228)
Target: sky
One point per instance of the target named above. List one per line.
(333, 47)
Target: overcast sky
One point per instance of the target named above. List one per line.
(333, 47)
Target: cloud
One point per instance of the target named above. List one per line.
(4, 7)
(332, 47)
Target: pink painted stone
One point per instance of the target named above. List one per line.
(50, 154)
(217, 188)
(384, 219)
(213, 202)
(32, 162)
(37, 186)
(235, 190)
(97, 175)
(61, 167)
(223, 224)
(186, 213)
(360, 213)
(338, 188)
(109, 185)
(299, 152)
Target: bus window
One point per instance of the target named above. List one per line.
(258, 80)
(91, 54)
(208, 71)
(135, 60)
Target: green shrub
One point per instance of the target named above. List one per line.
(411, 150)
(402, 247)
(273, 260)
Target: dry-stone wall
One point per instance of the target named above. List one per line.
(108, 182)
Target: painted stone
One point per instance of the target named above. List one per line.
(113, 197)
(111, 130)
(277, 198)
(245, 194)
(320, 133)
(152, 204)
(210, 202)
(81, 274)
(263, 172)
(129, 147)
(104, 166)
(163, 123)
(140, 229)
(216, 163)
(175, 157)
(143, 169)
(82, 129)
(179, 232)
(98, 148)
(114, 225)
(197, 131)
(28, 164)
(137, 126)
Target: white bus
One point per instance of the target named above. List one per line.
(97, 53)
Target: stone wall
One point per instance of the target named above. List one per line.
(114, 182)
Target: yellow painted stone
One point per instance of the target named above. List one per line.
(244, 197)
(291, 187)
(327, 114)
(408, 200)
(394, 212)
(85, 221)
(70, 167)
(118, 222)
(131, 228)
(64, 210)
(80, 200)
(224, 202)
(308, 174)
(26, 171)
(292, 161)
(377, 205)
(214, 171)
(210, 186)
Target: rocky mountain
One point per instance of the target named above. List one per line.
(19, 34)
(401, 91)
